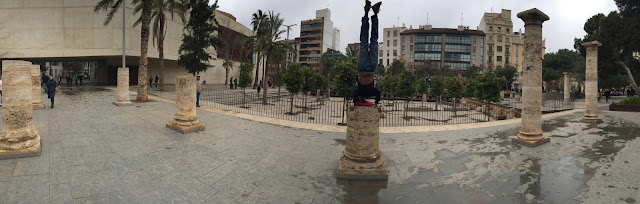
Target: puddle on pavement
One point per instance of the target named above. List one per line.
(525, 175)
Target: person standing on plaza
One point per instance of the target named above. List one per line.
(75, 79)
(44, 79)
(235, 81)
(60, 79)
(157, 80)
(80, 76)
(231, 83)
(607, 94)
(51, 89)
(198, 91)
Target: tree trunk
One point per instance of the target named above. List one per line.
(455, 113)
(279, 92)
(244, 95)
(265, 84)
(406, 106)
(226, 75)
(144, 46)
(633, 81)
(161, 53)
(255, 79)
(291, 110)
(437, 101)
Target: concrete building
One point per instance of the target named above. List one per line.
(292, 57)
(54, 68)
(57, 30)
(317, 36)
(391, 47)
(457, 49)
(498, 28)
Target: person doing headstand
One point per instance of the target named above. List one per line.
(367, 59)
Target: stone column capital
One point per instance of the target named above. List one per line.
(533, 17)
(592, 44)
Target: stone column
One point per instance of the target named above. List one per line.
(567, 88)
(530, 133)
(123, 87)
(19, 137)
(185, 120)
(36, 85)
(362, 158)
(591, 89)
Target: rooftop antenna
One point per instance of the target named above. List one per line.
(427, 18)
(398, 21)
(461, 19)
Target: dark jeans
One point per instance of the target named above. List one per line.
(197, 99)
(51, 96)
(368, 56)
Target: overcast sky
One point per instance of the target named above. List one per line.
(567, 16)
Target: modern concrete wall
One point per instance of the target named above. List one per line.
(71, 30)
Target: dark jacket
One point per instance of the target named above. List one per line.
(44, 79)
(366, 92)
(51, 86)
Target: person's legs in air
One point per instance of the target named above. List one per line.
(373, 47)
(364, 35)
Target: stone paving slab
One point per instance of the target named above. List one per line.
(95, 152)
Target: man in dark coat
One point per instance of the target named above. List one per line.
(51, 89)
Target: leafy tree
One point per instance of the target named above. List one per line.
(160, 9)
(345, 80)
(509, 73)
(112, 7)
(472, 72)
(488, 89)
(470, 85)
(444, 72)
(199, 37)
(564, 60)
(423, 88)
(293, 81)
(380, 71)
(328, 62)
(454, 89)
(396, 68)
(280, 80)
(269, 43)
(245, 79)
(620, 37)
(228, 66)
(406, 87)
(549, 74)
(437, 88)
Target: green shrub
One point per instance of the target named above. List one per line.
(635, 100)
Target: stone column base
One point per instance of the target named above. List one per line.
(590, 119)
(355, 170)
(185, 129)
(126, 103)
(37, 106)
(33, 151)
(530, 140)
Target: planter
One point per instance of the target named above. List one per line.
(627, 108)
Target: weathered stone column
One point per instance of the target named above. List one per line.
(531, 128)
(591, 83)
(123, 87)
(362, 158)
(19, 137)
(185, 120)
(36, 85)
(567, 88)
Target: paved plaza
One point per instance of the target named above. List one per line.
(95, 152)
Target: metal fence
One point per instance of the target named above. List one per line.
(330, 111)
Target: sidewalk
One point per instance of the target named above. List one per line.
(94, 151)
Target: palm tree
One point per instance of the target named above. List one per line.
(112, 7)
(278, 56)
(228, 66)
(159, 12)
(258, 20)
(270, 45)
(352, 51)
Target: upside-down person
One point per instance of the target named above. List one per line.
(367, 59)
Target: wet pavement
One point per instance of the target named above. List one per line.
(94, 151)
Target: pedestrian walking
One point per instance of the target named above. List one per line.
(157, 80)
(150, 81)
(607, 94)
(75, 79)
(60, 79)
(231, 83)
(80, 76)
(259, 85)
(51, 89)
(198, 91)
(69, 80)
(235, 81)
(44, 78)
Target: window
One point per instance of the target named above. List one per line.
(388, 43)
(395, 43)
(481, 59)
(395, 53)
(489, 59)
(388, 34)
(54, 64)
(499, 38)
(474, 39)
(395, 33)
(506, 50)
(403, 51)
(482, 50)
(410, 48)
(474, 49)
(499, 49)
(380, 53)
(457, 48)
(506, 60)
(428, 47)
(490, 38)
(410, 39)
(507, 30)
(458, 39)
(482, 41)
(499, 29)
(387, 62)
(429, 39)
(411, 57)
(388, 51)
(457, 57)
(490, 28)
(490, 49)
(499, 58)
(381, 61)
(402, 39)
(474, 58)
(428, 56)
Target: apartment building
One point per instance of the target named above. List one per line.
(317, 36)
(390, 48)
(457, 49)
(498, 28)
(292, 57)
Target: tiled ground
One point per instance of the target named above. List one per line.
(95, 152)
